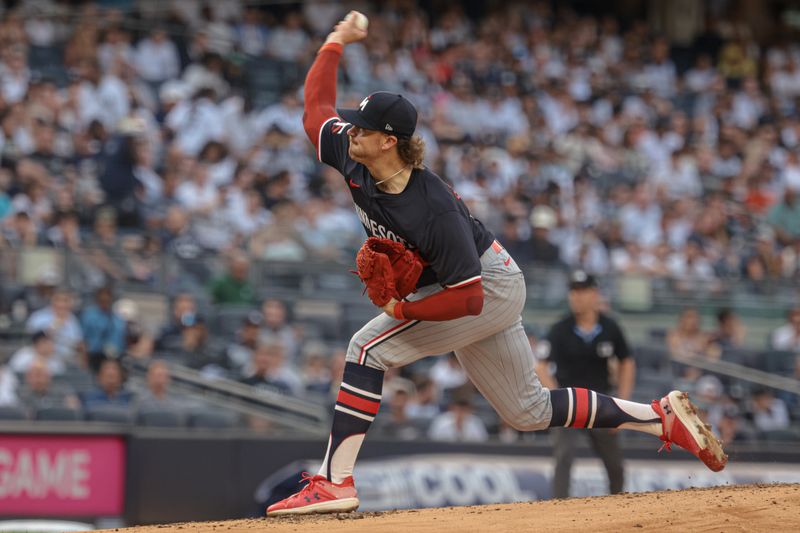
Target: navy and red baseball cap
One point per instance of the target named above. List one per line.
(382, 111)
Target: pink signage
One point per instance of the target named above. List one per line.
(54, 475)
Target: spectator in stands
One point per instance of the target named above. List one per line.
(157, 58)
(8, 386)
(542, 251)
(709, 398)
(139, 344)
(785, 217)
(240, 352)
(19, 231)
(41, 293)
(517, 245)
(459, 423)
(447, 373)
(179, 238)
(787, 337)
(316, 372)
(157, 395)
(730, 332)
(41, 349)
(277, 328)
(251, 33)
(65, 233)
(691, 269)
(234, 287)
(395, 421)
(110, 387)
(170, 334)
(731, 426)
(39, 392)
(104, 331)
(270, 372)
(769, 413)
(106, 251)
(196, 350)
(424, 405)
(288, 41)
(687, 338)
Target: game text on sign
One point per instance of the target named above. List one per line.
(42, 473)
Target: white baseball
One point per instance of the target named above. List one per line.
(359, 19)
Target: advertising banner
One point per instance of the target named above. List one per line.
(420, 481)
(49, 475)
(438, 481)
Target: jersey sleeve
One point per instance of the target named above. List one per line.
(333, 143)
(450, 250)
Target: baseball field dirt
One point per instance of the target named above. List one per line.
(719, 509)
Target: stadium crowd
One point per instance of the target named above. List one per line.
(126, 137)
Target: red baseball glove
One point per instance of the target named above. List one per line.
(388, 269)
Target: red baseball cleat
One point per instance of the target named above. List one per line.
(319, 496)
(683, 427)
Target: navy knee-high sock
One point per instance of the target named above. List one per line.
(356, 406)
(583, 408)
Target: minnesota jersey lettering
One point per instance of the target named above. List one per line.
(427, 216)
(377, 230)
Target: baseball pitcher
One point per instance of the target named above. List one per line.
(444, 284)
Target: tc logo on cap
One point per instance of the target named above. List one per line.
(383, 111)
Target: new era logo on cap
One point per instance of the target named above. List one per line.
(383, 111)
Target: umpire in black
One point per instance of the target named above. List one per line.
(577, 353)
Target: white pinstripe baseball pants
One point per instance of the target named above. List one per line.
(492, 347)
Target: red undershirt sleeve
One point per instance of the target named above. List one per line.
(320, 91)
(447, 304)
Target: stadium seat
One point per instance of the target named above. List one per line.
(213, 419)
(13, 412)
(110, 413)
(63, 414)
(162, 418)
(77, 379)
(228, 319)
(652, 357)
(657, 336)
(780, 362)
(741, 356)
(781, 435)
(651, 386)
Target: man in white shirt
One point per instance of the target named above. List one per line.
(787, 337)
(458, 424)
(641, 219)
(196, 121)
(769, 413)
(157, 58)
(40, 349)
(102, 97)
(60, 324)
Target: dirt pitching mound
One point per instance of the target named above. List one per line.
(736, 508)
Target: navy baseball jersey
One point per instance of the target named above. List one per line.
(427, 216)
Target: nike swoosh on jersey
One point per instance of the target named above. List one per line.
(354, 185)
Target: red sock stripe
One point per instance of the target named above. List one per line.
(368, 406)
(581, 407)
